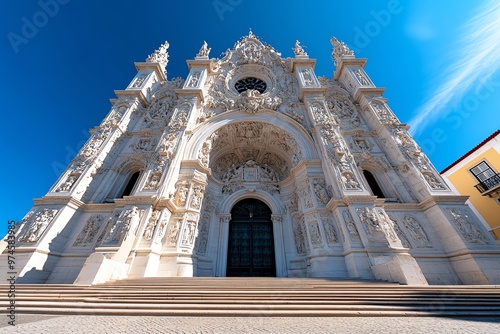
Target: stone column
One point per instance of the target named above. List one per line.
(224, 219)
(279, 246)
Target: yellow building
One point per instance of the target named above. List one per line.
(476, 174)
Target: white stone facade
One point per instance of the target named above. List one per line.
(305, 146)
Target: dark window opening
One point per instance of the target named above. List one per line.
(130, 185)
(373, 184)
(250, 83)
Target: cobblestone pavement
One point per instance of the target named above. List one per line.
(150, 324)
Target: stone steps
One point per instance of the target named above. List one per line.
(255, 297)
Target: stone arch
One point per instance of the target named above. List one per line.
(204, 131)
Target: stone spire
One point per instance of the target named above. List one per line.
(160, 55)
(340, 49)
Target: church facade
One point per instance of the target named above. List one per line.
(253, 166)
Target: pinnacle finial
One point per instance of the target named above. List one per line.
(204, 51)
(340, 49)
(160, 55)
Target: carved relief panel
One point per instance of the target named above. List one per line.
(121, 226)
(88, 234)
(468, 227)
(35, 225)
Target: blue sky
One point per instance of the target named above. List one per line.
(62, 60)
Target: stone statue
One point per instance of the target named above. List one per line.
(298, 50)
(204, 51)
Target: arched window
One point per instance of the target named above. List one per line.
(130, 184)
(376, 190)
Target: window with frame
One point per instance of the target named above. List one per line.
(482, 171)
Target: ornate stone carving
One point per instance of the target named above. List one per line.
(351, 226)
(339, 50)
(140, 80)
(295, 111)
(361, 77)
(340, 156)
(250, 171)
(433, 181)
(89, 232)
(162, 228)
(467, 227)
(150, 226)
(314, 233)
(204, 51)
(320, 191)
(387, 226)
(169, 144)
(181, 193)
(249, 50)
(90, 150)
(160, 110)
(252, 101)
(160, 55)
(383, 112)
(319, 112)
(307, 77)
(330, 233)
(298, 50)
(372, 225)
(339, 106)
(413, 152)
(209, 203)
(400, 233)
(416, 232)
(197, 196)
(298, 234)
(37, 225)
(126, 225)
(292, 203)
(202, 240)
(194, 79)
(173, 231)
(180, 118)
(305, 194)
(189, 232)
(204, 153)
(252, 141)
(224, 163)
(144, 144)
(362, 145)
(153, 181)
(70, 180)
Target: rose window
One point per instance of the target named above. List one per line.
(250, 83)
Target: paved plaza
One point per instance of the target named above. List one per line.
(138, 324)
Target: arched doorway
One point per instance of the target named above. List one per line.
(251, 241)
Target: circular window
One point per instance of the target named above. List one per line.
(250, 83)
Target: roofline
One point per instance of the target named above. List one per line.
(471, 151)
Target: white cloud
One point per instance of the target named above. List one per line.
(478, 57)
